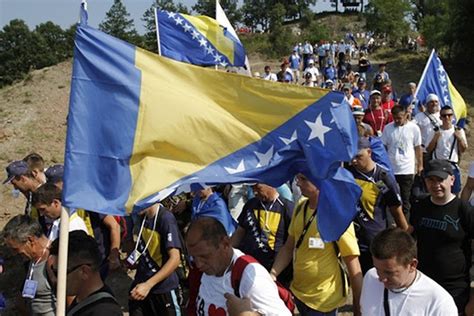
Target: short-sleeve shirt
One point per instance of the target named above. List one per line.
(377, 119)
(164, 237)
(446, 147)
(426, 122)
(266, 228)
(379, 191)
(317, 279)
(401, 142)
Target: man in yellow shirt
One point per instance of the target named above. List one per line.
(319, 283)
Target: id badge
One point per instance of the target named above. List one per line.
(315, 243)
(29, 289)
(133, 257)
(379, 133)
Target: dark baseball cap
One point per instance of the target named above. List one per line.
(54, 173)
(363, 143)
(14, 169)
(438, 168)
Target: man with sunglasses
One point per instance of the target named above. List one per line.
(92, 296)
(448, 143)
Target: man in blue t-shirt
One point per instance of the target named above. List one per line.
(362, 93)
(156, 256)
(295, 64)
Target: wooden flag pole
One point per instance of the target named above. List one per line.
(62, 263)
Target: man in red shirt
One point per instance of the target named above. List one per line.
(375, 115)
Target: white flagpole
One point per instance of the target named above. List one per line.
(424, 72)
(157, 32)
(62, 262)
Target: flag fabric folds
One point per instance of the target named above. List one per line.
(142, 127)
(436, 80)
(198, 40)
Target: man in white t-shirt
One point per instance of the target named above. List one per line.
(268, 74)
(428, 122)
(402, 139)
(212, 253)
(466, 194)
(47, 200)
(314, 71)
(447, 143)
(395, 286)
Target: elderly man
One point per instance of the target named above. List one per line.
(444, 226)
(24, 236)
(429, 123)
(210, 247)
(395, 286)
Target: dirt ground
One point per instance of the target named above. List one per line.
(32, 119)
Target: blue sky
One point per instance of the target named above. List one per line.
(66, 12)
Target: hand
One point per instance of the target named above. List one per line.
(410, 229)
(236, 306)
(140, 291)
(419, 170)
(457, 134)
(274, 277)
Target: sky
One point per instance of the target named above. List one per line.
(66, 12)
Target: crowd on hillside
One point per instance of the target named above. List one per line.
(220, 250)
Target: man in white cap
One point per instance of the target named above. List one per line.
(429, 123)
(313, 70)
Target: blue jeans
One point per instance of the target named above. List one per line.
(308, 311)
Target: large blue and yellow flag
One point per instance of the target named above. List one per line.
(198, 40)
(142, 127)
(435, 80)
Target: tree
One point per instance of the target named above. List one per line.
(389, 18)
(280, 37)
(16, 52)
(148, 18)
(117, 24)
(55, 43)
(208, 7)
(255, 14)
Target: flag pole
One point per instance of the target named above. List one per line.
(62, 262)
(424, 72)
(157, 32)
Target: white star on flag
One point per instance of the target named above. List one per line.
(171, 15)
(195, 34)
(210, 50)
(224, 64)
(202, 42)
(287, 141)
(318, 129)
(179, 21)
(187, 27)
(261, 245)
(446, 100)
(445, 89)
(442, 78)
(440, 68)
(217, 58)
(264, 158)
(240, 168)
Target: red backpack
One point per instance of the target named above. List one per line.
(236, 275)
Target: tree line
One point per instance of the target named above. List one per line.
(444, 24)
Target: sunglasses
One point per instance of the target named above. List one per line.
(72, 269)
(446, 115)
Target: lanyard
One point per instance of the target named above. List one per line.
(266, 228)
(375, 122)
(306, 226)
(371, 179)
(34, 264)
(141, 231)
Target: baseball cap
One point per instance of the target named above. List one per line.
(438, 168)
(54, 173)
(361, 80)
(358, 110)
(14, 169)
(375, 92)
(311, 61)
(431, 97)
(347, 86)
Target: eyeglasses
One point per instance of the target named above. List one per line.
(447, 115)
(72, 269)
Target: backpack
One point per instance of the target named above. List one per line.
(236, 275)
